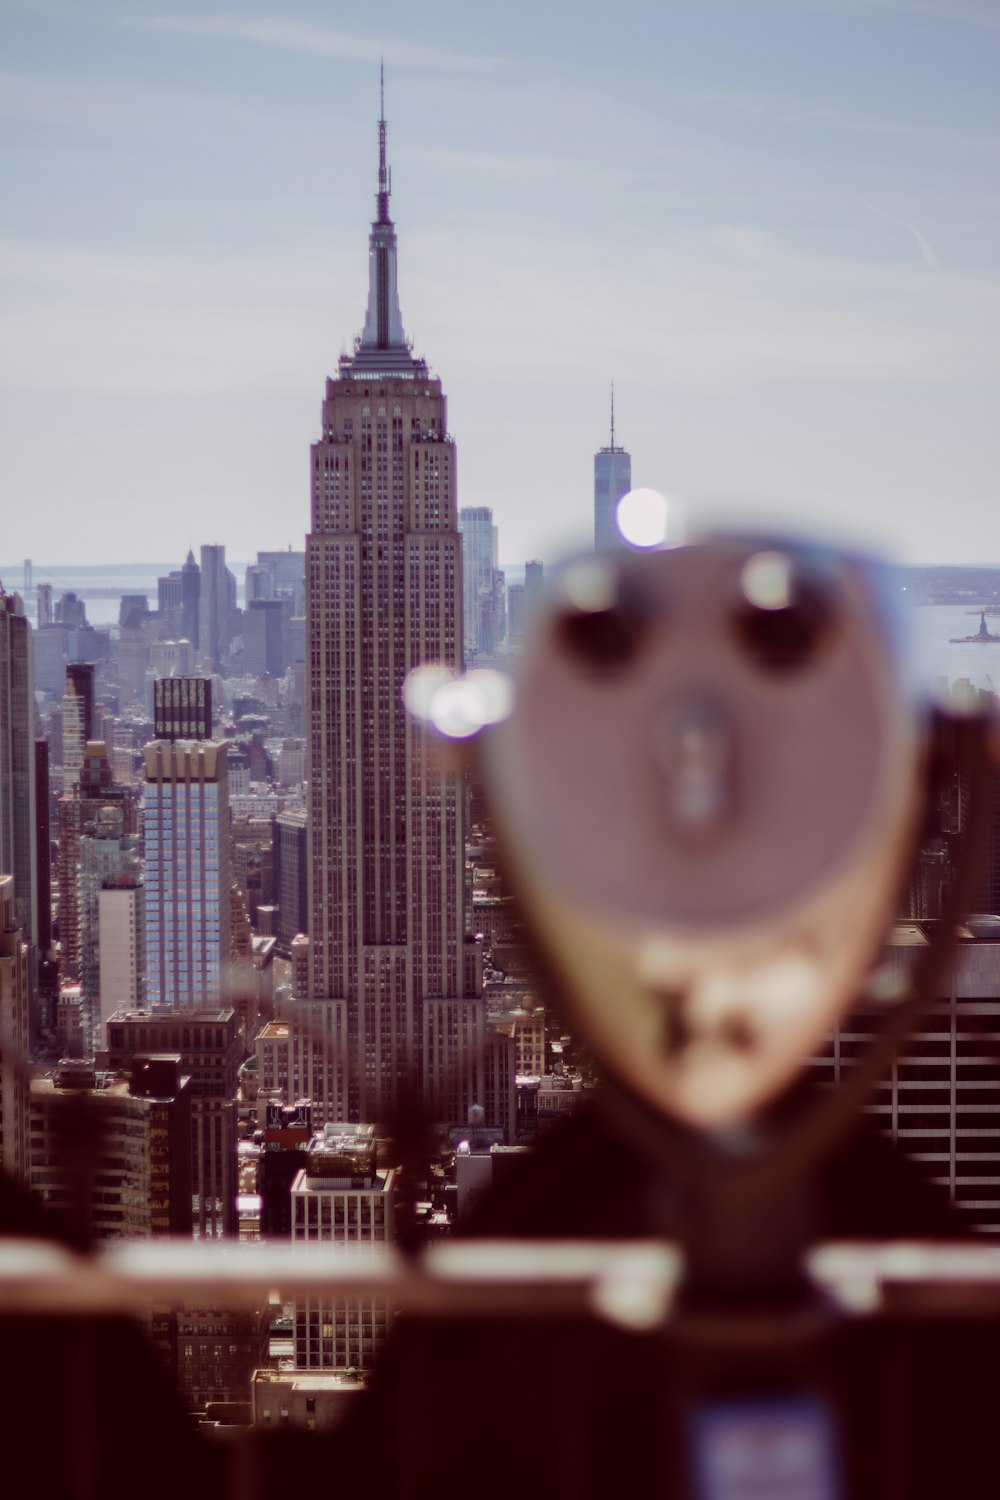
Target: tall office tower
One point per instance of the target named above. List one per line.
(210, 1045)
(216, 605)
(515, 613)
(279, 575)
(48, 966)
(43, 841)
(186, 826)
(170, 606)
(390, 920)
(170, 593)
(14, 1044)
(522, 601)
(534, 582)
(18, 840)
(43, 605)
(78, 717)
(290, 870)
(191, 600)
(612, 480)
(493, 625)
(479, 560)
(94, 788)
(341, 1198)
(71, 611)
(133, 656)
(265, 632)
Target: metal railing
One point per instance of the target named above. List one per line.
(628, 1283)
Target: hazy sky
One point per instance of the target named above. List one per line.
(775, 224)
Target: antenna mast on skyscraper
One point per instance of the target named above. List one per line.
(612, 416)
(384, 187)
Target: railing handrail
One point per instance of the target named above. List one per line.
(631, 1283)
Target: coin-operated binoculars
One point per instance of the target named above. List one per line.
(708, 777)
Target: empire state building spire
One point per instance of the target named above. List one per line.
(383, 343)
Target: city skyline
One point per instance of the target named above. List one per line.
(764, 221)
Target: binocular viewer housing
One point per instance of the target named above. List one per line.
(708, 774)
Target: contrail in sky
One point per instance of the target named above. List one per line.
(927, 255)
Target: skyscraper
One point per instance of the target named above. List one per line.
(186, 825)
(94, 788)
(191, 599)
(612, 480)
(216, 604)
(18, 849)
(210, 1044)
(479, 561)
(78, 718)
(14, 1071)
(107, 857)
(390, 920)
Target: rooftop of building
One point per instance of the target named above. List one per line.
(220, 1014)
(308, 1380)
(979, 927)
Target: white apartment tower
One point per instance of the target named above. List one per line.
(339, 1198)
(390, 919)
(121, 926)
(186, 826)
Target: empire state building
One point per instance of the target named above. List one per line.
(392, 969)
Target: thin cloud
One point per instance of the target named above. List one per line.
(794, 112)
(959, 12)
(311, 38)
(494, 164)
(927, 254)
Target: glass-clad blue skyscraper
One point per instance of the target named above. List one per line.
(186, 826)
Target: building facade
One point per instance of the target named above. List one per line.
(939, 1100)
(216, 602)
(479, 563)
(291, 876)
(107, 857)
(389, 915)
(78, 718)
(340, 1198)
(210, 1046)
(612, 480)
(14, 1067)
(94, 789)
(186, 827)
(18, 840)
(121, 921)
